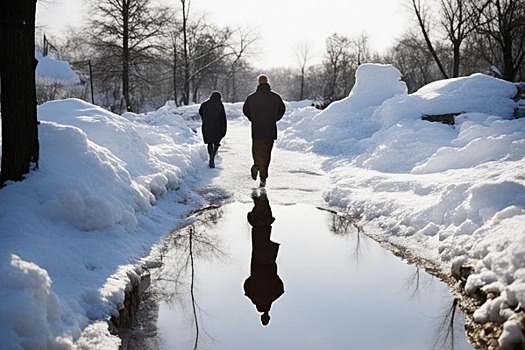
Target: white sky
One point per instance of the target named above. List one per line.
(282, 25)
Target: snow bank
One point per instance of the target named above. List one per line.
(336, 129)
(444, 192)
(32, 315)
(72, 228)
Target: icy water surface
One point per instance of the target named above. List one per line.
(323, 284)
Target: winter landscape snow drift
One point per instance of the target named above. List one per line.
(109, 187)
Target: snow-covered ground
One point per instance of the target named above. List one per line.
(109, 187)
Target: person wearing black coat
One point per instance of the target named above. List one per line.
(213, 124)
(264, 108)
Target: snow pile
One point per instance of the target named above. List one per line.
(38, 317)
(50, 69)
(445, 192)
(132, 155)
(337, 129)
(374, 84)
(71, 228)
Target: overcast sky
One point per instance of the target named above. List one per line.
(282, 25)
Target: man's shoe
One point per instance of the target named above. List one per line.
(263, 183)
(254, 170)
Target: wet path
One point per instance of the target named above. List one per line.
(293, 177)
(341, 289)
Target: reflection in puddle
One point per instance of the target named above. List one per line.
(263, 286)
(224, 275)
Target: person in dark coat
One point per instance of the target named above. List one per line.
(264, 285)
(213, 124)
(264, 108)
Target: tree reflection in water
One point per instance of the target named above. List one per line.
(450, 323)
(342, 225)
(175, 280)
(447, 332)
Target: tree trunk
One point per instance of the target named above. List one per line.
(20, 146)
(508, 44)
(420, 18)
(125, 56)
(233, 96)
(456, 61)
(302, 85)
(186, 82)
(175, 67)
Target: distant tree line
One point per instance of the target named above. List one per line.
(453, 38)
(144, 55)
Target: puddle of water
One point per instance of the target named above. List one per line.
(341, 289)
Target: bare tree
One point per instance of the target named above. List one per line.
(185, 52)
(240, 49)
(315, 82)
(303, 55)
(458, 22)
(502, 30)
(423, 21)
(411, 56)
(212, 54)
(201, 57)
(203, 53)
(337, 66)
(361, 49)
(20, 147)
(124, 33)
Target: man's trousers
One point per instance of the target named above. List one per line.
(262, 153)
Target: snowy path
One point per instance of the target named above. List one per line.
(294, 177)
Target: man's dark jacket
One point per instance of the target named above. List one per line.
(264, 108)
(213, 118)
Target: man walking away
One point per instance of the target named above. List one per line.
(213, 124)
(264, 108)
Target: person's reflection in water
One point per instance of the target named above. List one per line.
(263, 286)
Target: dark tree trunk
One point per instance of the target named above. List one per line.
(457, 57)
(175, 67)
(125, 56)
(504, 23)
(420, 18)
(186, 77)
(509, 64)
(302, 84)
(20, 147)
